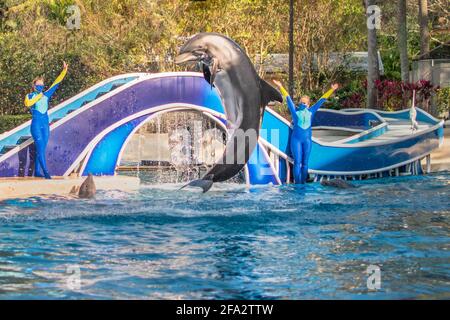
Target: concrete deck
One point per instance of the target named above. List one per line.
(12, 188)
(331, 135)
(440, 159)
(396, 129)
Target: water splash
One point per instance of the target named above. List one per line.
(185, 145)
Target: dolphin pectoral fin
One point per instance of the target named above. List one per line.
(269, 93)
(205, 183)
(214, 70)
(210, 70)
(207, 74)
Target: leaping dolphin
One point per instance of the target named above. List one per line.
(243, 93)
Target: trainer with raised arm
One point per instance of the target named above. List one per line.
(301, 138)
(38, 101)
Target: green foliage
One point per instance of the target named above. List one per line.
(350, 95)
(391, 63)
(8, 122)
(120, 36)
(443, 100)
(58, 10)
(3, 10)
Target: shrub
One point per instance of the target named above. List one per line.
(390, 94)
(8, 122)
(356, 100)
(443, 101)
(350, 95)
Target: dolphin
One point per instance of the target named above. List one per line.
(337, 183)
(87, 188)
(243, 93)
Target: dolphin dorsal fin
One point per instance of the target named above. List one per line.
(269, 93)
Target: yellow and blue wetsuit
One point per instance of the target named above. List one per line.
(40, 129)
(301, 137)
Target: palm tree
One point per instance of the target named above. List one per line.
(402, 36)
(424, 32)
(291, 48)
(373, 72)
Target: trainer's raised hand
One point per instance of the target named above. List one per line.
(277, 83)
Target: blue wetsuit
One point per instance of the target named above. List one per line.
(40, 129)
(301, 138)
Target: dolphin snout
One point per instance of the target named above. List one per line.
(185, 57)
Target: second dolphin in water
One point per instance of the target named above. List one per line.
(337, 183)
(244, 96)
(87, 188)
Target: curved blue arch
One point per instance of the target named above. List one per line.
(105, 155)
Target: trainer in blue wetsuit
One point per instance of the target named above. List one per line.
(301, 137)
(38, 101)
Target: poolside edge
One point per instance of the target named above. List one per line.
(11, 188)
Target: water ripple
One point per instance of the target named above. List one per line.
(289, 242)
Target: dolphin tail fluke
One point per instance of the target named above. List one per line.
(205, 183)
(269, 93)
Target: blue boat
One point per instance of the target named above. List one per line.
(360, 143)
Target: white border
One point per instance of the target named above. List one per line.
(394, 112)
(360, 111)
(351, 173)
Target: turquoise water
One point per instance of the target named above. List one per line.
(261, 243)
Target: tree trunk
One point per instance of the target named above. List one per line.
(424, 32)
(403, 40)
(373, 73)
(291, 48)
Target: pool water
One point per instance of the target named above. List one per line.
(290, 242)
